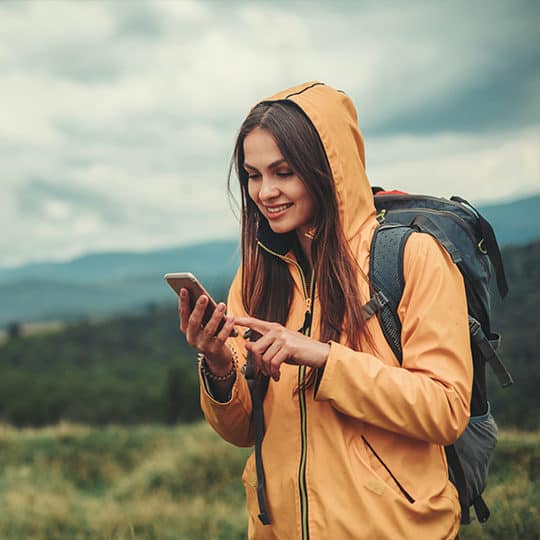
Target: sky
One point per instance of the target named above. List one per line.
(118, 118)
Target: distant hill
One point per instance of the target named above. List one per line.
(514, 222)
(112, 267)
(105, 283)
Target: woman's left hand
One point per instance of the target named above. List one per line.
(278, 344)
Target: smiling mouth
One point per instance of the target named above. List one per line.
(278, 209)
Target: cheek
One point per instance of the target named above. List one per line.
(308, 204)
(252, 191)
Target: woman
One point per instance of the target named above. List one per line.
(354, 443)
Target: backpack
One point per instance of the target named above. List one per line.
(471, 243)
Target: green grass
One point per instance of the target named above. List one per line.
(75, 482)
(154, 482)
(513, 493)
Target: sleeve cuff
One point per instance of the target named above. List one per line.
(207, 388)
(327, 374)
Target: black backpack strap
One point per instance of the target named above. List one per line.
(487, 348)
(258, 384)
(387, 282)
(458, 479)
(489, 246)
(424, 224)
(481, 509)
(261, 385)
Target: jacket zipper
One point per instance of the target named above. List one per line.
(302, 483)
(306, 330)
(400, 487)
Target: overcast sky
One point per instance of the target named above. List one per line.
(117, 118)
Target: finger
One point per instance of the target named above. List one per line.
(258, 349)
(195, 320)
(211, 328)
(269, 359)
(271, 351)
(275, 364)
(226, 331)
(184, 308)
(197, 314)
(255, 324)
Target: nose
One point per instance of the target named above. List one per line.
(269, 189)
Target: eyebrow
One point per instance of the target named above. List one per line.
(271, 166)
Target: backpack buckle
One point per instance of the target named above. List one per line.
(474, 326)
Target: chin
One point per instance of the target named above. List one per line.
(280, 228)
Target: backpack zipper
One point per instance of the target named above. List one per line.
(457, 219)
(467, 208)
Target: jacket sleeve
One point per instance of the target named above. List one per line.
(232, 419)
(428, 398)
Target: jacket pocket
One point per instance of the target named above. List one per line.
(389, 477)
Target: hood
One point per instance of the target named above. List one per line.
(334, 117)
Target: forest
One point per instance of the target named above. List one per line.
(137, 368)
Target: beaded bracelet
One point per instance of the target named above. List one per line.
(217, 378)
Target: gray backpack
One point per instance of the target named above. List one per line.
(470, 241)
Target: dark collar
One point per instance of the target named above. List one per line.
(280, 244)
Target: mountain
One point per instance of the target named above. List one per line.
(106, 283)
(107, 267)
(514, 222)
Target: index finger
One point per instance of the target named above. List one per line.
(255, 324)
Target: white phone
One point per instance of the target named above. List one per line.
(186, 280)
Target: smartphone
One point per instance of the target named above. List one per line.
(186, 280)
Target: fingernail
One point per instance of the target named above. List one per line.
(221, 307)
(202, 300)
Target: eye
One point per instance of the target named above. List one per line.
(251, 173)
(284, 174)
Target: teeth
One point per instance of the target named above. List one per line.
(277, 209)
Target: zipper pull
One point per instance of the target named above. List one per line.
(307, 322)
(308, 305)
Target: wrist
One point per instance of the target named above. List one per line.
(325, 352)
(219, 365)
(218, 369)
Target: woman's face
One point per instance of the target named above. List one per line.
(278, 192)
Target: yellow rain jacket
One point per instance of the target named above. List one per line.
(363, 456)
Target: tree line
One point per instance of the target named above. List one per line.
(137, 368)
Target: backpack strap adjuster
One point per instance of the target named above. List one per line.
(374, 305)
(488, 351)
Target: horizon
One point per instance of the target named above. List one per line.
(212, 240)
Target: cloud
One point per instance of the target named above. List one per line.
(40, 199)
(480, 169)
(118, 123)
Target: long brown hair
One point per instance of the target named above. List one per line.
(267, 286)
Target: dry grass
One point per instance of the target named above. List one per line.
(152, 482)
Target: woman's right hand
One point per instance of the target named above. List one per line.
(218, 356)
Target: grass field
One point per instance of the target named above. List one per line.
(154, 482)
